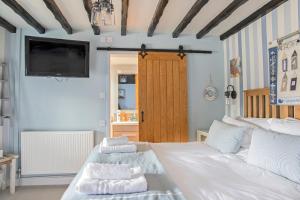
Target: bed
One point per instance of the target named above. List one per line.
(195, 171)
(160, 186)
(202, 173)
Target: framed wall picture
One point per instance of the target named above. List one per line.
(122, 93)
(126, 78)
(235, 67)
(284, 74)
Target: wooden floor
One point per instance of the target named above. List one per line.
(34, 193)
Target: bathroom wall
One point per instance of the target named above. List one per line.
(120, 64)
(129, 102)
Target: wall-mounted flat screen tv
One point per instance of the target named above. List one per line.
(56, 57)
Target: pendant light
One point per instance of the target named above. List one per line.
(102, 13)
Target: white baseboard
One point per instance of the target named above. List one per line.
(50, 180)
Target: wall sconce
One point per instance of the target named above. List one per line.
(230, 93)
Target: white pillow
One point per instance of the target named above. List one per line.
(248, 132)
(236, 122)
(287, 126)
(224, 137)
(257, 122)
(276, 152)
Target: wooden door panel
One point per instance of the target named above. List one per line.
(163, 98)
(142, 74)
(163, 101)
(156, 103)
(183, 101)
(176, 100)
(170, 102)
(149, 115)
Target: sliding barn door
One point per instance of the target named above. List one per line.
(162, 79)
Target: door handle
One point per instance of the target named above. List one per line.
(142, 113)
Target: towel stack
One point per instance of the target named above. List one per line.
(117, 145)
(111, 179)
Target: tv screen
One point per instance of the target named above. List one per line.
(56, 57)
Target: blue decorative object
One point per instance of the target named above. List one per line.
(273, 63)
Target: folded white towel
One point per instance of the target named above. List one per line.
(115, 141)
(98, 186)
(110, 171)
(127, 148)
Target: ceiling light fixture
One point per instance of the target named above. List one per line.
(102, 13)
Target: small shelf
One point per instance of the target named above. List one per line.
(6, 108)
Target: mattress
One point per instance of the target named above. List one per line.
(202, 173)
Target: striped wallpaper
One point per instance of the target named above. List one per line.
(251, 45)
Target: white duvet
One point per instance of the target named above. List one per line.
(203, 173)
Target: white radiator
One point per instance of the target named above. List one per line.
(54, 153)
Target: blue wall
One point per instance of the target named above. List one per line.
(129, 102)
(75, 104)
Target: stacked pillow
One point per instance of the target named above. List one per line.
(276, 152)
(232, 134)
(274, 144)
(224, 137)
(248, 132)
(250, 123)
(263, 123)
(288, 126)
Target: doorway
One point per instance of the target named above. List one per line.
(149, 97)
(123, 96)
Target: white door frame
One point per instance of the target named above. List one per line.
(108, 99)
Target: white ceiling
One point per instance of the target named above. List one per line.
(139, 18)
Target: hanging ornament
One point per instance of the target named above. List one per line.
(210, 92)
(284, 59)
(284, 83)
(294, 60)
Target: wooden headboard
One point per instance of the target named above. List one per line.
(257, 104)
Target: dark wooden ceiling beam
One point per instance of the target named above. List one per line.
(198, 5)
(17, 8)
(52, 6)
(8, 26)
(88, 7)
(125, 5)
(221, 17)
(254, 16)
(157, 15)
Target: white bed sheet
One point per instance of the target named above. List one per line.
(203, 173)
